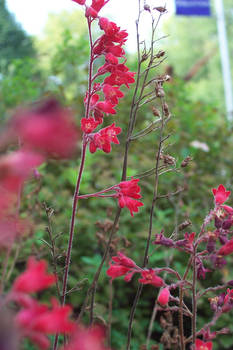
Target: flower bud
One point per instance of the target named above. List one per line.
(164, 296)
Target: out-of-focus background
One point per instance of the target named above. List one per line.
(43, 52)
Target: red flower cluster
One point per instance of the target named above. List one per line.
(110, 45)
(124, 266)
(220, 194)
(36, 321)
(128, 192)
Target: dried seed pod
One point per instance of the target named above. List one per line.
(160, 9)
(156, 112)
(184, 224)
(186, 161)
(161, 53)
(159, 92)
(166, 109)
(167, 159)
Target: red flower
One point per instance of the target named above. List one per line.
(37, 320)
(164, 296)
(80, 2)
(228, 209)
(88, 125)
(149, 277)
(35, 278)
(101, 106)
(122, 265)
(227, 248)
(190, 238)
(106, 107)
(110, 58)
(110, 28)
(121, 259)
(95, 7)
(220, 194)
(104, 138)
(130, 188)
(88, 339)
(112, 93)
(48, 128)
(130, 203)
(128, 192)
(116, 270)
(201, 345)
(120, 79)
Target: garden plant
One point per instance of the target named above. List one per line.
(46, 131)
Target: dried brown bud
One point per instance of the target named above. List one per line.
(184, 224)
(160, 9)
(156, 112)
(161, 53)
(167, 159)
(165, 109)
(144, 57)
(186, 161)
(159, 92)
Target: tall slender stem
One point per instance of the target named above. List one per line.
(194, 297)
(71, 233)
(145, 259)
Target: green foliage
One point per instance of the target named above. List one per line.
(14, 43)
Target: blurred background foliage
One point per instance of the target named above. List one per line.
(56, 64)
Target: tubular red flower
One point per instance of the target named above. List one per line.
(115, 270)
(122, 259)
(130, 203)
(80, 2)
(88, 125)
(35, 278)
(150, 277)
(227, 248)
(201, 345)
(104, 138)
(220, 194)
(112, 93)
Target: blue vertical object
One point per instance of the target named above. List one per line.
(193, 7)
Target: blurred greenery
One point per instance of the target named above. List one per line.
(60, 68)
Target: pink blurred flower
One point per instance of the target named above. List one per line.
(35, 278)
(220, 194)
(48, 128)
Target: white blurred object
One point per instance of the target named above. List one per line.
(200, 145)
